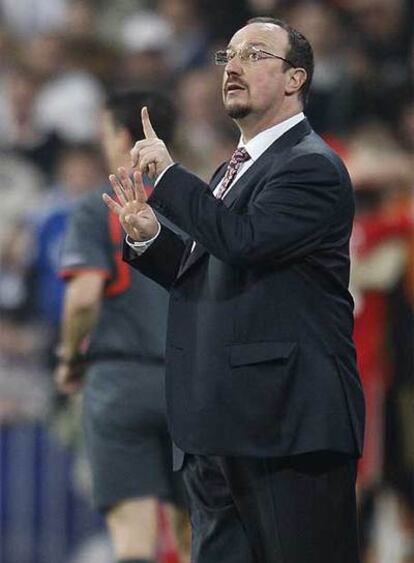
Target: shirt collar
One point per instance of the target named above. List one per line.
(262, 141)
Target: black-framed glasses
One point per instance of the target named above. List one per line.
(246, 55)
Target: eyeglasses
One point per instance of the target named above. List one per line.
(246, 55)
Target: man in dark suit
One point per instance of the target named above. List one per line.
(262, 389)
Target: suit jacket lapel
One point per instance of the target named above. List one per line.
(289, 139)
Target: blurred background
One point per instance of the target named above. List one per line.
(58, 59)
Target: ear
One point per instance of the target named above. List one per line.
(296, 77)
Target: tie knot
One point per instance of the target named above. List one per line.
(240, 155)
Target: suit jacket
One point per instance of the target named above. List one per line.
(260, 358)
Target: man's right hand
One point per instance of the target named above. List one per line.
(136, 216)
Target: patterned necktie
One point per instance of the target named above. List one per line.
(240, 155)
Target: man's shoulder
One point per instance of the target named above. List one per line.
(92, 203)
(313, 143)
(314, 149)
(87, 242)
(94, 196)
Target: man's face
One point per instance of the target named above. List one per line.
(256, 88)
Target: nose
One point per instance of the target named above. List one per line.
(234, 66)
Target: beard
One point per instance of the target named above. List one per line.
(238, 111)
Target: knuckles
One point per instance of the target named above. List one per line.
(148, 144)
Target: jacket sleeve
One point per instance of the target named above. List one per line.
(161, 261)
(287, 219)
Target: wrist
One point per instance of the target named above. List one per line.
(66, 358)
(143, 243)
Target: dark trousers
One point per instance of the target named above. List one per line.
(300, 509)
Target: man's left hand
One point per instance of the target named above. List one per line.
(68, 378)
(150, 155)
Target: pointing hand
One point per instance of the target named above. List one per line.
(150, 155)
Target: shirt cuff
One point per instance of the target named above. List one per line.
(141, 246)
(162, 174)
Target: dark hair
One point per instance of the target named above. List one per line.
(300, 52)
(68, 150)
(87, 149)
(125, 107)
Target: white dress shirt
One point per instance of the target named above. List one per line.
(260, 143)
(255, 147)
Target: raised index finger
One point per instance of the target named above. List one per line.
(146, 124)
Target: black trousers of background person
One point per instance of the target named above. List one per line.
(300, 509)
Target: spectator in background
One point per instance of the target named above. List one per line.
(21, 190)
(122, 316)
(224, 18)
(380, 251)
(28, 17)
(362, 53)
(45, 54)
(382, 31)
(189, 37)
(21, 131)
(332, 100)
(146, 39)
(82, 19)
(68, 89)
(90, 50)
(15, 295)
(384, 28)
(24, 389)
(383, 176)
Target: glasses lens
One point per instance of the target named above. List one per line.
(221, 58)
(249, 54)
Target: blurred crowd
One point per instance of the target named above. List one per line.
(59, 59)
